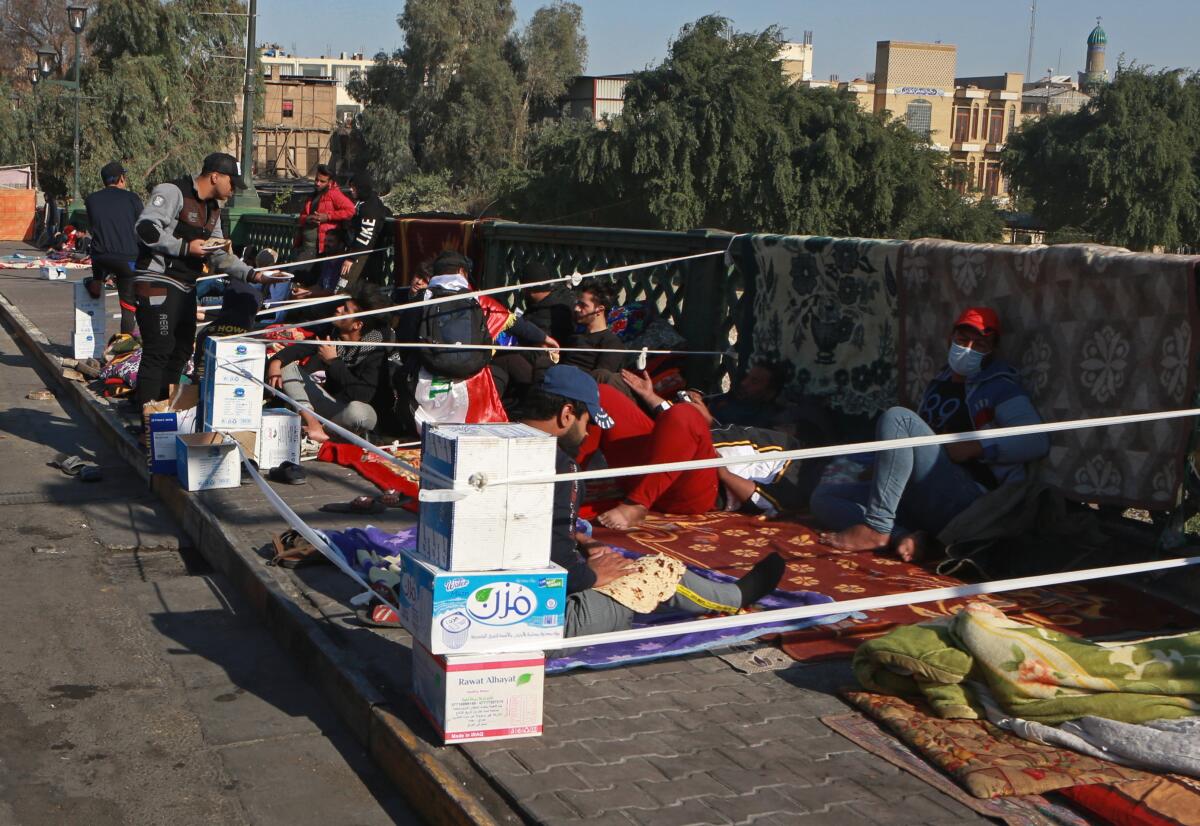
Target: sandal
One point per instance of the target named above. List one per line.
(294, 551)
(363, 505)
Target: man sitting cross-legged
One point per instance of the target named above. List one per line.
(562, 406)
(356, 383)
(923, 488)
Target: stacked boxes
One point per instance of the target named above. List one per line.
(232, 401)
(87, 336)
(481, 580)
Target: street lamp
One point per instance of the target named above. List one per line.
(76, 19)
(46, 60)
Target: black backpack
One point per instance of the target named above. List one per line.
(454, 322)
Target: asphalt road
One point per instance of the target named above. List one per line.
(135, 686)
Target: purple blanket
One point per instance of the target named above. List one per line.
(607, 656)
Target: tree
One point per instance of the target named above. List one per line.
(715, 136)
(29, 25)
(463, 90)
(1124, 169)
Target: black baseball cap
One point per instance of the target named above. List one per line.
(226, 164)
(112, 172)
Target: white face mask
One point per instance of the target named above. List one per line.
(965, 361)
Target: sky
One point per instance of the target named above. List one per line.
(628, 35)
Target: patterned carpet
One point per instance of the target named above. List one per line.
(731, 543)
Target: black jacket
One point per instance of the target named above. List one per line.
(554, 314)
(358, 376)
(112, 213)
(564, 550)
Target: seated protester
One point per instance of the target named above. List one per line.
(405, 323)
(923, 488)
(761, 485)
(550, 306)
(591, 315)
(563, 406)
(355, 378)
(754, 401)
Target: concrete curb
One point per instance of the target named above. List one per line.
(431, 787)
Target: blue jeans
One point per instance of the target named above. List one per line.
(918, 487)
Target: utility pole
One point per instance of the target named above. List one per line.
(248, 99)
(1032, 29)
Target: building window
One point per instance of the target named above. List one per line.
(962, 124)
(312, 70)
(1012, 120)
(974, 122)
(287, 109)
(995, 126)
(991, 180)
(919, 117)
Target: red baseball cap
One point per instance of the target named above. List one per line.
(983, 319)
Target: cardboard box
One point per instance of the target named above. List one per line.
(481, 697)
(471, 612)
(87, 346)
(90, 314)
(279, 438)
(164, 427)
(231, 400)
(502, 527)
(206, 461)
(54, 273)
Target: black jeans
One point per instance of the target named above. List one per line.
(121, 269)
(166, 317)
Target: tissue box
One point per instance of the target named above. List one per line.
(488, 697)
(206, 461)
(231, 400)
(90, 315)
(278, 438)
(164, 427)
(502, 527)
(471, 612)
(87, 346)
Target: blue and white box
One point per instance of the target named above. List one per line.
(164, 427)
(501, 527)
(233, 400)
(474, 612)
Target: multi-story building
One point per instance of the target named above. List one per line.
(796, 59)
(595, 97)
(986, 111)
(915, 82)
(341, 70)
(294, 133)
(1052, 95)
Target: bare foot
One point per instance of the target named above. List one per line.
(857, 538)
(317, 434)
(911, 548)
(623, 517)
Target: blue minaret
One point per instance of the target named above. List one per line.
(1094, 74)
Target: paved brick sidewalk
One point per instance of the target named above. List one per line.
(684, 741)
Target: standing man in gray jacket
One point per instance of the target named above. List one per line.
(180, 239)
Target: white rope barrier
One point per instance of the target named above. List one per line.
(856, 447)
(574, 278)
(418, 345)
(300, 526)
(289, 264)
(854, 605)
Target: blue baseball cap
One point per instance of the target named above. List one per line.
(576, 385)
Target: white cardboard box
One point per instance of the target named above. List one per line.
(500, 527)
(232, 401)
(480, 697)
(278, 438)
(90, 314)
(87, 346)
(206, 461)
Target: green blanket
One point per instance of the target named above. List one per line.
(1032, 672)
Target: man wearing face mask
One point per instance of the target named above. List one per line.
(923, 488)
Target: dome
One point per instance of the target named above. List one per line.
(1097, 37)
